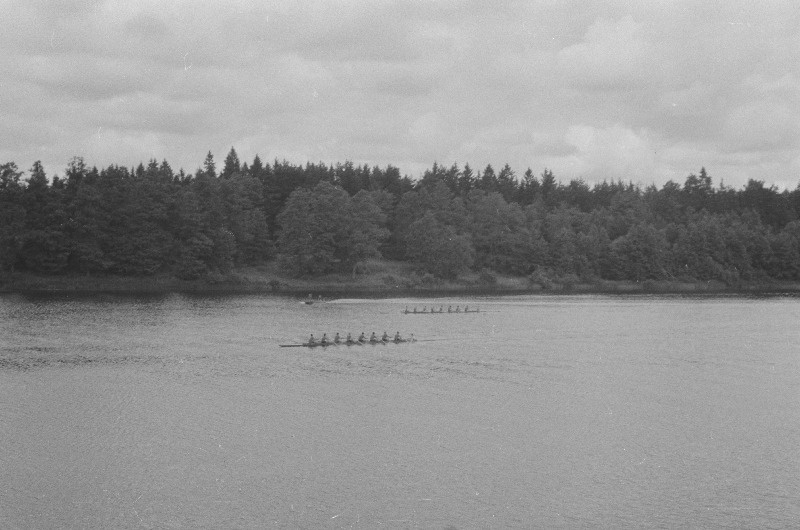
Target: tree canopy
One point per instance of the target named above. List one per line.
(317, 218)
(324, 229)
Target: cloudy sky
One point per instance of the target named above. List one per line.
(640, 91)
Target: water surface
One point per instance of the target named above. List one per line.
(573, 412)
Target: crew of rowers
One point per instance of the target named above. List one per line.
(362, 339)
(441, 310)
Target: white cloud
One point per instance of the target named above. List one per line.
(762, 126)
(631, 90)
(612, 153)
(612, 54)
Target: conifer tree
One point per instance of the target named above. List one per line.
(232, 165)
(12, 216)
(44, 246)
(209, 167)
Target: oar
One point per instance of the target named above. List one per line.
(358, 343)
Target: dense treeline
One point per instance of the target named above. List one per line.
(318, 218)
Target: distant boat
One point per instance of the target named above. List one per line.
(346, 343)
(310, 300)
(432, 311)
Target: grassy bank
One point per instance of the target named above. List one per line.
(376, 279)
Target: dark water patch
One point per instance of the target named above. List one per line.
(41, 349)
(495, 364)
(554, 366)
(27, 362)
(93, 297)
(378, 365)
(383, 364)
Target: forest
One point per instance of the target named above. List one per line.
(318, 218)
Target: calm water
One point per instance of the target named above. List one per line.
(565, 412)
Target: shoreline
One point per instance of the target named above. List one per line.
(339, 286)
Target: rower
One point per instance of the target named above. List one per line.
(397, 337)
(449, 309)
(324, 341)
(424, 309)
(337, 339)
(362, 337)
(312, 340)
(349, 339)
(466, 309)
(385, 337)
(373, 337)
(458, 309)
(415, 309)
(441, 309)
(406, 311)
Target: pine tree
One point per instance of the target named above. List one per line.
(507, 183)
(12, 216)
(232, 165)
(209, 167)
(466, 181)
(488, 181)
(548, 188)
(44, 246)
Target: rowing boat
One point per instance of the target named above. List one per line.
(407, 312)
(351, 343)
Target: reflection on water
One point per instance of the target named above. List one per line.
(181, 411)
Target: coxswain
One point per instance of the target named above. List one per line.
(324, 341)
(385, 337)
(337, 339)
(362, 337)
(397, 337)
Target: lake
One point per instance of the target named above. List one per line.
(182, 411)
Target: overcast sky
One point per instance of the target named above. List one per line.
(640, 91)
